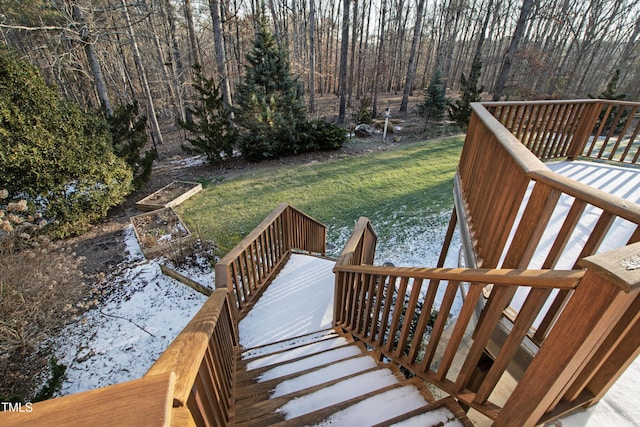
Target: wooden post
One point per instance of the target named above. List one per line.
(599, 303)
(584, 130)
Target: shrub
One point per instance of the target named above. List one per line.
(323, 136)
(54, 155)
(213, 135)
(435, 101)
(41, 289)
(460, 110)
(363, 114)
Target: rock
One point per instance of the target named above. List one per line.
(364, 130)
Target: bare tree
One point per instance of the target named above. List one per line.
(627, 53)
(380, 52)
(344, 56)
(176, 63)
(98, 78)
(525, 11)
(312, 56)
(354, 36)
(411, 70)
(155, 127)
(193, 43)
(221, 59)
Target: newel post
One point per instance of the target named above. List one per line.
(584, 128)
(574, 360)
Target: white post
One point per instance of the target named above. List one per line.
(386, 123)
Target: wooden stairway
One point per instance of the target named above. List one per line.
(327, 378)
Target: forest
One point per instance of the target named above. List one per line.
(106, 53)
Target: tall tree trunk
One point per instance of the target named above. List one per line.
(411, 71)
(335, 81)
(155, 127)
(483, 31)
(376, 74)
(193, 43)
(176, 63)
(344, 57)
(221, 59)
(626, 57)
(354, 36)
(161, 61)
(312, 56)
(92, 58)
(525, 11)
(363, 47)
(276, 21)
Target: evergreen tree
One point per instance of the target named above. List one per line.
(213, 135)
(610, 94)
(129, 135)
(270, 108)
(435, 102)
(460, 111)
(612, 88)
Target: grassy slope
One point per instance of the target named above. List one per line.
(405, 184)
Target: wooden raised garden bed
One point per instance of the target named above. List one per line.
(169, 196)
(159, 231)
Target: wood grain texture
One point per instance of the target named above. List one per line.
(143, 402)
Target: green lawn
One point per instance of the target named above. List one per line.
(402, 185)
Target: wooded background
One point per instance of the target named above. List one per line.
(104, 53)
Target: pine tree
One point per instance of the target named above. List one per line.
(612, 88)
(129, 136)
(435, 102)
(270, 108)
(460, 111)
(212, 133)
(610, 94)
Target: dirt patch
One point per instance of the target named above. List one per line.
(158, 229)
(169, 193)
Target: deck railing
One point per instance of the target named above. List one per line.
(203, 360)
(394, 311)
(596, 129)
(509, 211)
(255, 261)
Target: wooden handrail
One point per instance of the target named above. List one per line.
(368, 302)
(543, 279)
(615, 205)
(203, 360)
(491, 201)
(519, 153)
(360, 247)
(144, 401)
(251, 265)
(391, 309)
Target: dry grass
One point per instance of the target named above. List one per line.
(41, 288)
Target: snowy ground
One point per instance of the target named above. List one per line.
(121, 340)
